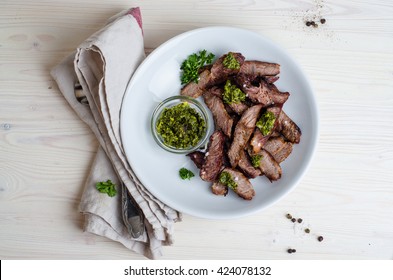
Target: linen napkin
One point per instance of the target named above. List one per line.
(103, 65)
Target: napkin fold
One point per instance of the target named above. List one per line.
(103, 65)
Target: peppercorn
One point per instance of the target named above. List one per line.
(289, 216)
(299, 220)
(308, 23)
(323, 20)
(290, 251)
(307, 230)
(320, 238)
(293, 220)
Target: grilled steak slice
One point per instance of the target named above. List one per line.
(271, 79)
(258, 140)
(195, 90)
(243, 131)
(277, 96)
(289, 128)
(238, 108)
(269, 167)
(198, 158)
(278, 148)
(214, 157)
(246, 166)
(255, 93)
(243, 187)
(219, 189)
(221, 117)
(260, 68)
(220, 73)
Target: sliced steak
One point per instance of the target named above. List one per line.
(244, 188)
(238, 108)
(258, 140)
(260, 68)
(278, 148)
(195, 90)
(271, 79)
(277, 96)
(289, 128)
(198, 158)
(214, 157)
(243, 131)
(220, 73)
(221, 117)
(246, 166)
(269, 167)
(219, 189)
(255, 93)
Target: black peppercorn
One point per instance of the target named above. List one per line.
(320, 238)
(307, 230)
(299, 220)
(323, 20)
(293, 220)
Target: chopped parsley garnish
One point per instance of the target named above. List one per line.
(226, 179)
(181, 126)
(184, 173)
(232, 94)
(266, 122)
(107, 187)
(230, 62)
(255, 160)
(192, 64)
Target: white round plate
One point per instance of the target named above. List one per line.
(158, 77)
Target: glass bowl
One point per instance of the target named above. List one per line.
(169, 103)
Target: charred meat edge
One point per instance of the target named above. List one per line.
(198, 158)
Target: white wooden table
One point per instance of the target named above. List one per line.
(346, 196)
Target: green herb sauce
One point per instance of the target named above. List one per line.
(230, 62)
(266, 122)
(181, 126)
(232, 94)
(226, 179)
(255, 160)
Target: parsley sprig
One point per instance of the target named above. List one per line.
(184, 173)
(192, 64)
(107, 187)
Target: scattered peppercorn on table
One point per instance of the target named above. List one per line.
(342, 207)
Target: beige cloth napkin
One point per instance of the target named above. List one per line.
(103, 65)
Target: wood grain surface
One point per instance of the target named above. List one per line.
(346, 196)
